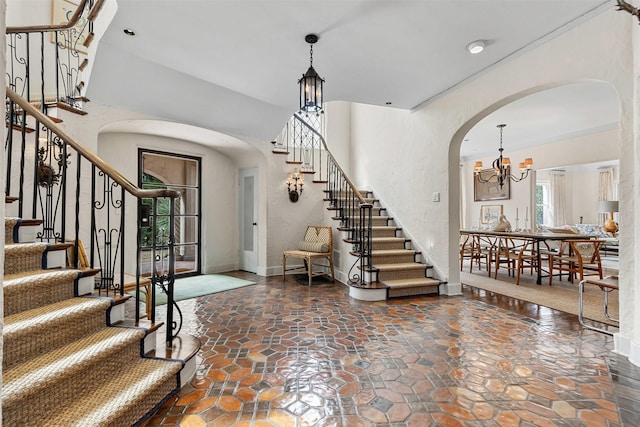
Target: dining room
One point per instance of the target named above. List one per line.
(534, 175)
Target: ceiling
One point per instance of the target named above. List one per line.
(233, 65)
(553, 115)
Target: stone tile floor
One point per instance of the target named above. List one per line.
(279, 354)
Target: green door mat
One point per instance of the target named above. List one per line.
(195, 286)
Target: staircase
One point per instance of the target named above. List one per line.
(70, 357)
(386, 266)
(394, 266)
(61, 342)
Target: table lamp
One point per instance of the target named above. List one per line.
(610, 206)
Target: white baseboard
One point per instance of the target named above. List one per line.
(221, 269)
(621, 344)
(624, 346)
(451, 289)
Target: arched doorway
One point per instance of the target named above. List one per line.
(561, 127)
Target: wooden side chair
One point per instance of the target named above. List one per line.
(516, 255)
(583, 255)
(466, 249)
(316, 246)
(485, 250)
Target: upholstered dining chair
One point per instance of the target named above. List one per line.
(316, 246)
(576, 257)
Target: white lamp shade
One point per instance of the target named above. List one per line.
(608, 206)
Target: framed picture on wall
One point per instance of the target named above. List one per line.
(485, 186)
(490, 213)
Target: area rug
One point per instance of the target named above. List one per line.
(562, 296)
(196, 286)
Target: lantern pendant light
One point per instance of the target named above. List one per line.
(311, 83)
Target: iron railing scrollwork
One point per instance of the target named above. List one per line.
(302, 139)
(45, 62)
(81, 198)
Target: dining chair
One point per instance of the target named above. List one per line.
(516, 255)
(465, 246)
(578, 257)
(484, 249)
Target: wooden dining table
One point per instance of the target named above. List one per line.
(537, 237)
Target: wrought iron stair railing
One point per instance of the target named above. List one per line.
(303, 142)
(78, 196)
(45, 62)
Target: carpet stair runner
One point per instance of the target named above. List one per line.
(394, 266)
(64, 363)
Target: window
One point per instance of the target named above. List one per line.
(543, 203)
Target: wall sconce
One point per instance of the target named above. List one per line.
(295, 181)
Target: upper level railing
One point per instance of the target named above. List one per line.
(302, 138)
(77, 195)
(45, 62)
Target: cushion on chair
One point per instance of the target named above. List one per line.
(313, 246)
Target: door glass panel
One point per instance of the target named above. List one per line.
(248, 220)
(180, 173)
(185, 258)
(186, 230)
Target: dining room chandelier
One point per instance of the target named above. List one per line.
(502, 168)
(311, 84)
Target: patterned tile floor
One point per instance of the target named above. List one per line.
(279, 354)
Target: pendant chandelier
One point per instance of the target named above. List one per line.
(502, 168)
(311, 84)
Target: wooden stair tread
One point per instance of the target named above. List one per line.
(67, 107)
(18, 127)
(401, 266)
(408, 283)
(145, 324)
(184, 347)
(30, 222)
(391, 252)
(10, 199)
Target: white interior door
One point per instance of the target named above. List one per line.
(248, 220)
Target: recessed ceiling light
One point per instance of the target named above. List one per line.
(476, 46)
(129, 32)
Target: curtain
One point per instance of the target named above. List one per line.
(558, 199)
(605, 190)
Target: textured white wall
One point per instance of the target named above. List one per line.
(338, 135)
(405, 157)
